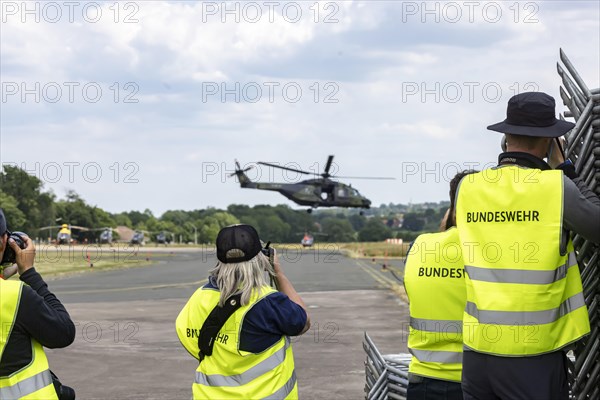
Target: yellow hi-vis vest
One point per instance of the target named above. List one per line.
(435, 284)
(34, 381)
(523, 296)
(231, 373)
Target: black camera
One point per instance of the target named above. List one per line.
(269, 252)
(9, 256)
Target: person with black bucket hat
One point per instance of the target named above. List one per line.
(35, 318)
(238, 327)
(525, 305)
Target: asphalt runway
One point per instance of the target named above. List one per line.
(126, 346)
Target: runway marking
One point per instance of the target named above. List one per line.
(384, 280)
(124, 289)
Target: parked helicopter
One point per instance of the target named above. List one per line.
(106, 235)
(138, 238)
(64, 235)
(164, 237)
(309, 238)
(320, 192)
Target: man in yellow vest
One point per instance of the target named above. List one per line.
(435, 285)
(30, 317)
(525, 305)
(238, 327)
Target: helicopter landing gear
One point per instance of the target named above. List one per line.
(309, 211)
(361, 213)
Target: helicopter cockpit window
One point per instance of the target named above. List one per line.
(341, 192)
(354, 192)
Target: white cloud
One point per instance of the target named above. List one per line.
(172, 134)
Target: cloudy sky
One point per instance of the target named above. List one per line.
(146, 104)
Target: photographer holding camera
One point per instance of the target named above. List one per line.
(35, 319)
(238, 327)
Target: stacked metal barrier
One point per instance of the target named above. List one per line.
(386, 375)
(583, 149)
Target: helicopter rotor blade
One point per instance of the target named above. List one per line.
(286, 168)
(328, 166)
(387, 178)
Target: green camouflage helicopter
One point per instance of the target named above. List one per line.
(314, 193)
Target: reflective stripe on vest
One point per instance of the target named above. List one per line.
(436, 325)
(448, 357)
(434, 282)
(526, 317)
(27, 386)
(264, 367)
(285, 390)
(527, 276)
(33, 381)
(523, 296)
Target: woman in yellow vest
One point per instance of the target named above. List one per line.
(434, 282)
(238, 327)
(34, 318)
(525, 304)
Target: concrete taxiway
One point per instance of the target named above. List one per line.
(126, 346)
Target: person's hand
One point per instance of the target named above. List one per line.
(557, 155)
(276, 265)
(24, 257)
(9, 271)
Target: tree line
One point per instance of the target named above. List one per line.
(28, 207)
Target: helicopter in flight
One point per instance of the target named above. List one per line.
(318, 192)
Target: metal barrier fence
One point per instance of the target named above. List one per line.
(387, 375)
(583, 149)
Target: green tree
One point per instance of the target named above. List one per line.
(357, 221)
(338, 230)
(37, 206)
(374, 231)
(15, 219)
(413, 222)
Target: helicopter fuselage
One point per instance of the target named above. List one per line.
(315, 193)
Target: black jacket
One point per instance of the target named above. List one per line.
(40, 315)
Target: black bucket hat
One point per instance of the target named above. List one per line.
(237, 243)
(532, 114)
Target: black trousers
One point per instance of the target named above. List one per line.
(487, 377)
(422, 388)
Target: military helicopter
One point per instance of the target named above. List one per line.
(106, 235)
(64, 235)
(320, 192)
(138, 238)
(164, 237)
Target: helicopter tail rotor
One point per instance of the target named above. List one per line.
(238, 169)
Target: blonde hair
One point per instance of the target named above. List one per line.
(243, 277)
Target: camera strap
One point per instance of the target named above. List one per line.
(213, 324)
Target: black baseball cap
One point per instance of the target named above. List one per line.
(237, 243)
(532, 114)
(3, 227)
